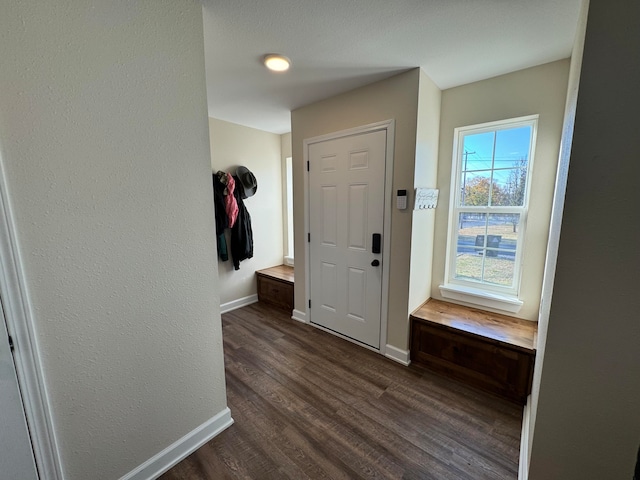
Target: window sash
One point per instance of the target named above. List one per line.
(484, 284)
(491, 209)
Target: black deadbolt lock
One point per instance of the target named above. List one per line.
(375, 243)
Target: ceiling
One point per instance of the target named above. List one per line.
(339, 45)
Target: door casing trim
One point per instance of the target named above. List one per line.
(389, 127)
(27, 357)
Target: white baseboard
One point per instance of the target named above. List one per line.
(523, 465)
(174, 453)
(299, 316)
(239, 303)
(400, 356)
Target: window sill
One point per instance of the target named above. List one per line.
(506, 303)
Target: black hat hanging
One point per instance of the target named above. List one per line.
(247, 181)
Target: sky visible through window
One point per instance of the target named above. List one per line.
(511, 146)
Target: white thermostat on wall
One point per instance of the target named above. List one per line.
(401, 199)
(426, 198)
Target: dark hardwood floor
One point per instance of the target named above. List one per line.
(307, 404)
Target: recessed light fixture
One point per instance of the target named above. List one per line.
(276, 62)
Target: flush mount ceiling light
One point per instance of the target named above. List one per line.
(277, 63)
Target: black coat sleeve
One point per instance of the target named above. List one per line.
(241, 233)
(218, 201)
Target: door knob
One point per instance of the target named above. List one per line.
(375, 263)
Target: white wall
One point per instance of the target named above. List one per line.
(397, 98)
(538, 90)
(104, 143)
(588, 418)
(426, 171)
(234, 145)
(285, 152)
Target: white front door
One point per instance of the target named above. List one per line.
(16, 454)
(346, 208)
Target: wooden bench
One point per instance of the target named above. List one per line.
(275, 286)
(490, 351)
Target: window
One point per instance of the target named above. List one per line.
(488, 211)
(288, 191)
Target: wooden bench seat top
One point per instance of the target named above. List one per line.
(501, 328)
(279, 272)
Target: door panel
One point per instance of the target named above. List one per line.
(356, 293)
(357, 222)
(346, 202)
(328, 293)
(329, 216)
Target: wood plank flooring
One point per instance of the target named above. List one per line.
(308, 405)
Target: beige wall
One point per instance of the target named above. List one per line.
(393, 98)
(538, 90)
(426, 171)
(588, 418)
(231, 146)
(285, 145)
(104, 144)
(554, 235)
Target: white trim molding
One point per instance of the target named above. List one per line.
(21, 326)
(299, 316)
(182, 448)
(523, 465)
(239, 303)
(482, 298)
(398, 355)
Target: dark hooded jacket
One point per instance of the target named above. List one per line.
(241, 233)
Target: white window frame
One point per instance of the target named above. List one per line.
(288, 203)
(469, 291)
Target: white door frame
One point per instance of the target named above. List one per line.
(27, 359)
(389, 127)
